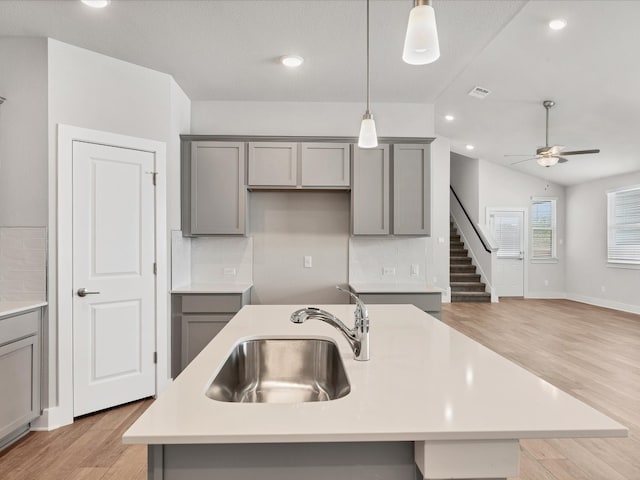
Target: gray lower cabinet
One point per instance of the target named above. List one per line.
(214, 194)
(197, 318)
(430, 302)
(391, 196)
(19, 374)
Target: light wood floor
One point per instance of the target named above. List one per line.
(592, 353)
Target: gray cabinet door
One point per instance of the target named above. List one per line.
(217, 195)
(411, 190)
(370, 191)
(20, 379)
(273, 164)
(325, 164)
(198, 331)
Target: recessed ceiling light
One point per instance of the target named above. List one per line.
(470, 147)
(557, 24)
(449, 118)
(96, 3)
(291, 61)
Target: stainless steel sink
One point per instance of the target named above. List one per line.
(281, 370)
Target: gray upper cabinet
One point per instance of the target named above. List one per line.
(370, 191)
(411, 190)
(391, 198)
(214, 195)
(273, 164)
(325, 165)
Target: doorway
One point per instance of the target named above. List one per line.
(114, 261)
(507, 228)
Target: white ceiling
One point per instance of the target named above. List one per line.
(228, 50)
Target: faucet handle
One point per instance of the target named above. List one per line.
(360, 306)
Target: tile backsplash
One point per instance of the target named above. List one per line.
(387, 261)
(23, 263)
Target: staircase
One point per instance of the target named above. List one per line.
(465, 282)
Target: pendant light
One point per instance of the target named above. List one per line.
(421, 44)
(368, 137)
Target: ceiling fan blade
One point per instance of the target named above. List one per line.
(525, 160)
(518, 155)
(562, 160)
(581, 152)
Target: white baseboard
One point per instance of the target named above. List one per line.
(603, 302)
(546, 294)
(47, 421)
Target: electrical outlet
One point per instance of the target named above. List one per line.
(546, 283)
(415, 269)
(229, 271)
(440, 239)
(603, 289)
(389, 271)
(308, 261)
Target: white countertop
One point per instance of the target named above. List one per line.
(394, 288)
(16, 307)
(425, 381)
(213, 288)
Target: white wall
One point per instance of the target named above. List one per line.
(586, 248)
(23, 131)
(481, 184)
(309, 118)
(503, 187)
(465, 178)
(90, 90)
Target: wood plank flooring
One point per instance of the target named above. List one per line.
(590, 352)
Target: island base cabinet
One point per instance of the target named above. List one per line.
(284, 461)
(472, 459)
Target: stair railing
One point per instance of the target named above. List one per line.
(481, 246)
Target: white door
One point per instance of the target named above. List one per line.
(113, 260)
(507, 229)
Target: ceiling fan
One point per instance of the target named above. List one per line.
(548, 156)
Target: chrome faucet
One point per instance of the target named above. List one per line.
(358, 337)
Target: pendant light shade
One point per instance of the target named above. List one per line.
(368, 137)
(421, 44)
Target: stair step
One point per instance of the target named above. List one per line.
(454, 238)
(467, 287)
(455, 277)
(460, 260)
(458, 252)
(453, 268)
(471, 297)
(456, 245)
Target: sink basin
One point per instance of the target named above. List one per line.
(281, 370)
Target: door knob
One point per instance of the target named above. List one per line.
(82, 292)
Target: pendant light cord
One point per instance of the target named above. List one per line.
(368, 68)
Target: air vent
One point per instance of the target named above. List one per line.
(479, 92)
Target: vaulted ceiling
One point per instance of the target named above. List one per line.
(229, 50)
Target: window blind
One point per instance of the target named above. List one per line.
(623, 239)
(507, 232)
(543, 229)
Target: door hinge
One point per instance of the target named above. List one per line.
(155, 357)
(155, 268)
(153, 177)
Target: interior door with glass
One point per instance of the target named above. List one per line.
(507, 227)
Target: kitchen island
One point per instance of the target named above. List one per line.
(431, 403)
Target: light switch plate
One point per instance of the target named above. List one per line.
(308, 261)
(229, 271)
(415, 269)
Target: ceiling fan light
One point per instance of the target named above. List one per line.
(421, 44)
(368, 137)
(547, 161)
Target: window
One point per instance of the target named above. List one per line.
(623, 218)
(506, 228)
(543, 229)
